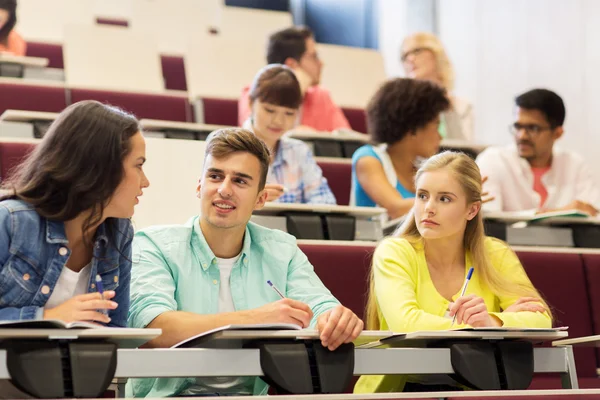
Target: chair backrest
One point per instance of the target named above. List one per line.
(591, 263)
(219, 67)
(24, 96)
(173, 70)
(53, 52)
(173, 27)
(339, 176)
(356, 118)
(344, 270)
(44, 21)
(11, 155)
(254, 23)
(352, 75)
(560, 278)
(111, 58)
(169, 107)
(219, 111)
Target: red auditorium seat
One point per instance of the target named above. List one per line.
(53, 52)
(220, 112)
(173, 70)
(11, 155)
(356, 118)
(22, 96)
(591, 263)
(561, 280)
(339, 176)
(144, 105)
(344, 270)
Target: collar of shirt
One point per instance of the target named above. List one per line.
(204, 253)
(55, 233)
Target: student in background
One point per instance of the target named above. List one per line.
(403, 120)
(424, 57)
(296, 48)
(294, 176)
(213, 271)
(418, 274)
(10, 40)
(534, 174)
(66, 216)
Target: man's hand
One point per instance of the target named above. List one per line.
(337, 326)
(286, 311)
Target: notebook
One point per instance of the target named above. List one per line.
(48, 324)
(202, 337)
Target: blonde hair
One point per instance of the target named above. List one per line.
(431, 42)
(468, 176)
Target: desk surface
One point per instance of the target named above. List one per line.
(512, 217)
(27, 116)
(276, 208)
(124, 337)
(24, 61)
(155, 124)
(586, 341)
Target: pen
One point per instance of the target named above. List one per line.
(100, 290)
(467, 280)
(275, 289)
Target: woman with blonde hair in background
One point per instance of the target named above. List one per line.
(424, 57)
(418, 274)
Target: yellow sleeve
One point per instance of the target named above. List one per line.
(395, 267)
(507, 263)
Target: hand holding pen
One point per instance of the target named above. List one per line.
(472, 310)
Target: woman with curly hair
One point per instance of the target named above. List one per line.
(402, 119)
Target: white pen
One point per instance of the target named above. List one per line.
(275, 289)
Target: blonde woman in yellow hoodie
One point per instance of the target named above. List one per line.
(417, 275)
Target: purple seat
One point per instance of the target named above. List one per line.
(22, 96)
(356, 118)
(143, 105)
(339, 177)
(560, 278)
(220, 111)
(591, 263)
(11, 155)
(344, 270)
(173, 71)
(53, 52)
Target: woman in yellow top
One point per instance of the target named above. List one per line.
(417, 275)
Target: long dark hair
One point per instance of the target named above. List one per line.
(78, 164)
(276, 84)
(11, 7)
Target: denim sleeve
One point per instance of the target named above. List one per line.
(12, 313)
(118, 317)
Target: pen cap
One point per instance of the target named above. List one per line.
(470, 273)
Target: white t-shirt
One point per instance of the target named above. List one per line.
(223, 384)
(69, 284)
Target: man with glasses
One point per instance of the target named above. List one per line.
(296, 48)
(534, 175)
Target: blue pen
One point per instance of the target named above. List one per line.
(467, 280)
(275, 289)
(101, 291)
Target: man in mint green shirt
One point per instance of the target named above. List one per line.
(213, 270)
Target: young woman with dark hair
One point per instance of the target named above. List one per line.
(66, 219)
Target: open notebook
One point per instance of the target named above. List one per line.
(48, 324)
(560, 214)
(200, 338)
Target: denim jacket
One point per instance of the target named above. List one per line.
(33, 252)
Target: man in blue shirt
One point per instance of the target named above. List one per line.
(213, 270)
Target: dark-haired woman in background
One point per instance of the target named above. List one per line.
(66, 219)
(294, 176)
(10, 40)
(402, 119)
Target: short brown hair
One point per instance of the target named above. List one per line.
(287, 43)
(401, 106)
(224, 142)
(276, 84)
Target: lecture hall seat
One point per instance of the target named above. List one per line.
(591, 263)
(560, 278)
(220, 111)
(173, 70)
(23, 96)
(356, 118)
(339, 176)
(143, 105)
(11, 155)
(53, 52)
